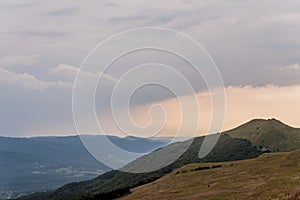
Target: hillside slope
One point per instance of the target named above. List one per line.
(233, 145)
(268, 134)
(116, 183)
(270, 176)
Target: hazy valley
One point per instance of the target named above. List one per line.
(44, 163)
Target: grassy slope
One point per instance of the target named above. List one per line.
(269, 133)
(270, 176)
(227, 149)
(265, 133)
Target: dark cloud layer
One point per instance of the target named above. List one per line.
(42, 45)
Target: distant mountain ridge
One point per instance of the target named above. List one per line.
(269, 134)
(45, 163)
(114, 184)
(246, 141)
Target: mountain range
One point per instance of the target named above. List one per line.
(115, 183)
(244, 142)
(44, 163)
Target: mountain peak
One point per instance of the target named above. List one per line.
(263, 123)
(269, 133)
(265, 120)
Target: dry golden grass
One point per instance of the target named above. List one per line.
(270, 176)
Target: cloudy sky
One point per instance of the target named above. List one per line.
(255, 44)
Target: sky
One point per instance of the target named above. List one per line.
(43, 43)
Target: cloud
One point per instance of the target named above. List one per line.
(29, 81)
(248, 40)
(295, 66)
(242, 104)
(62, 11)
(19, 60)
(286, 18)
(31, 106)
(62, 77)
(37, 33)
(64, 72)
(49, 104)
(242, 37)
(68, 72)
